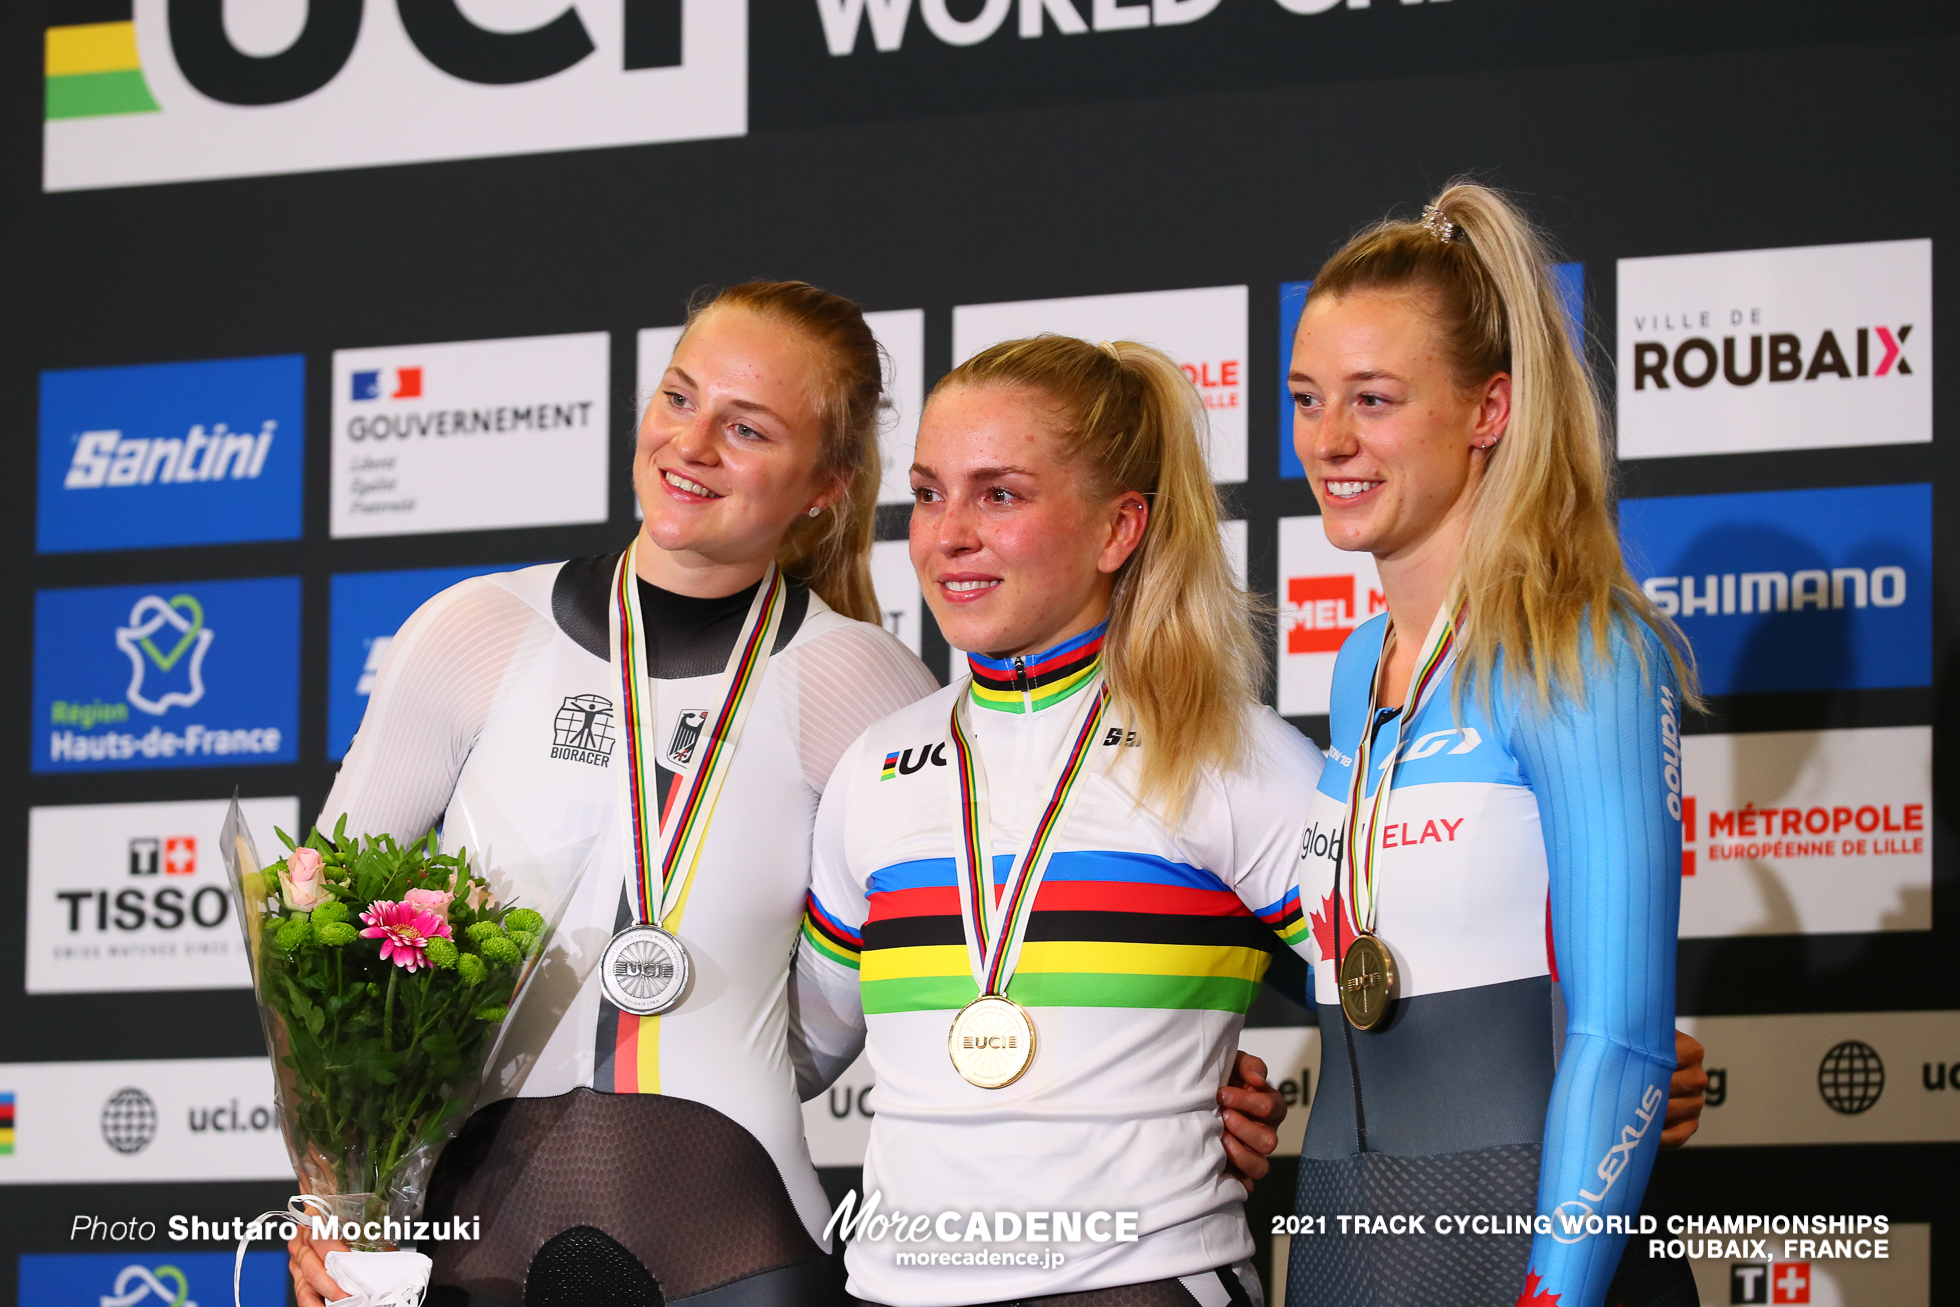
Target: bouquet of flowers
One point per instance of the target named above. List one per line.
(385, 973)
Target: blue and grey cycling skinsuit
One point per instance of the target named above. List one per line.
(1529, 887)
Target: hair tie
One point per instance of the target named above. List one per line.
(1437, 225)
(1109, 349)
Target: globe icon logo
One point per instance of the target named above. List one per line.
(1851, 1077)
(129, 1121)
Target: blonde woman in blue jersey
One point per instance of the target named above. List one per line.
(1047, 937)
(1496, 843)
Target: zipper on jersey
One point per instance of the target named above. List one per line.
(1021, 683)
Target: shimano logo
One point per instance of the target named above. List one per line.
(1728, 593)
(108, 458)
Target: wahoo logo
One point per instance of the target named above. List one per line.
(899, 762)
(1696, 361)
(108, 458)
(1727, 593)
(402, 383)
(179, 623)
(94, 69)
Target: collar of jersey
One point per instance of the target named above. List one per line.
(1042, 680)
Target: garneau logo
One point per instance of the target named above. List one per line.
(1743, 361)
(108, 458)
(888, 19)
(1728, 593)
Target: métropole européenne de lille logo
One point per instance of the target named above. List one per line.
(582, 730)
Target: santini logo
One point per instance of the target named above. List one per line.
(1740, 361)
(108, 458)
(1777, 592)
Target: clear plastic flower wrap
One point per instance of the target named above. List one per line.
(386, 974)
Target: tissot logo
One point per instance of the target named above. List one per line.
(118, 898)
(582, 730)
(1806, 348)
(201, 90)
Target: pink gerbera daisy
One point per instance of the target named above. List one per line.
(404, 931)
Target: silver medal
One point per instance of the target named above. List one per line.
(644, 970)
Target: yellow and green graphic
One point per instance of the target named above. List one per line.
(94, 69)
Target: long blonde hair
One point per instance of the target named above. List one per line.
(1179, 657)
(1541, 560)
(830, 553)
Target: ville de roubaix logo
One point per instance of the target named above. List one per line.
(1817, 347)
(1793, 589)
(134, 896)
(198, 674)
(171, 454)
(172, 91)
(470, 435)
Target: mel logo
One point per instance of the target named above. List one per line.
(1815, 347)
(367, 609)
(171, 454)
(1324, 594)
(198, 675)
(165, 90)
(1793, 589)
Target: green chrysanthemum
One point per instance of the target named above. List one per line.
(442, 953)
(470, 967)
(524, 919)
(295, 932)
(499, 949)
(331, 910)
(336, 934)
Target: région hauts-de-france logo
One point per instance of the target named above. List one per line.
(163, 633)
(139, 1284)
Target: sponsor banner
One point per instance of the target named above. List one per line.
(191, 1119)
(470, 435)
(1324, 593)
(1569, 278)
(1793, 589)
(185, 92)
(158, 1277)
(171, 454)
(193, 674)
(1900, 1278)
(1834, 1078)
(134, 896)
(1203, 329)
(903, 334)
(1816, 347)
(1807, 832)
(368, 608)
(897, 585)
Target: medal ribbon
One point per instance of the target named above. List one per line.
(664, 856)
(1434, 660)
(994, 925)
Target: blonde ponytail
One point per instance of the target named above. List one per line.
(1541, 559)
(831, 552)
(1180, 658)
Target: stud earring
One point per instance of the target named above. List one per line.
(815, 509)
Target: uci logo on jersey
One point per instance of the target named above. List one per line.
(901, 763)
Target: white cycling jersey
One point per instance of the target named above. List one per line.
(1145, 946)
(495, 714)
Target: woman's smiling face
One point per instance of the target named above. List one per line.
(730, 446)
(1392, 442)
(1011, 553)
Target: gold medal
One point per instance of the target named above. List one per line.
(991, 1042)
(1367, 982)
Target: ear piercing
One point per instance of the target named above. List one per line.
(815, 509)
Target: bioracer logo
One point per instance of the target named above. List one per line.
(582, 730)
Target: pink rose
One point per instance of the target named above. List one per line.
(301, 882)
(434, 900)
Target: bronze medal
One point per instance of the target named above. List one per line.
(1367, 982)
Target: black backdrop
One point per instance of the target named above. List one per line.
(1240, 150)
